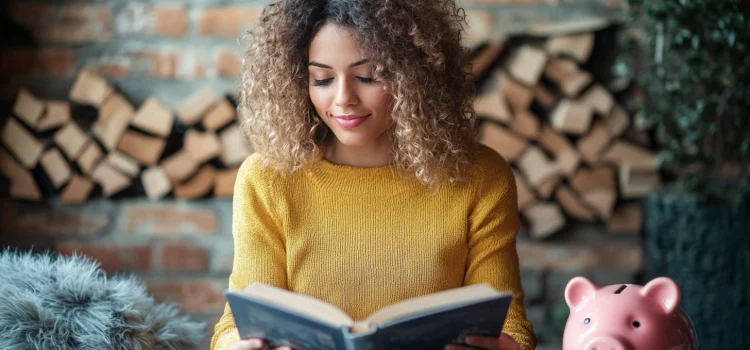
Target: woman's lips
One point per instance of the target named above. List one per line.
(350, 121)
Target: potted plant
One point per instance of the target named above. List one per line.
(695, 83)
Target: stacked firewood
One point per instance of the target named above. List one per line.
(123, 147)
(575, 151)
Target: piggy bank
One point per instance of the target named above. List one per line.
(626, 317)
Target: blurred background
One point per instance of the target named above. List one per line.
(625, 123)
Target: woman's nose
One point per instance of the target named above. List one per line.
(346, 96)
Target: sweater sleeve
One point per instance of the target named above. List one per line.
(259, 244)
(492, 257)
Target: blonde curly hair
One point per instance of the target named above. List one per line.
(415, 46)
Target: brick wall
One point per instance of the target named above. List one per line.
(183, 251)
(170, 49)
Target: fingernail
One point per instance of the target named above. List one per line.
(256, 342)
(470, 339)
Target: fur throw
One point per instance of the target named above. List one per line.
(61, 303)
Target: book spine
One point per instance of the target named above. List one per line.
(366, 341)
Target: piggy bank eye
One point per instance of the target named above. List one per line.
(586, 320)
(636, 324)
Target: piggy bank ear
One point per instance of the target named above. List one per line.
(577, 290)
(664, 292)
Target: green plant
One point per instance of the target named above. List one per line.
(695, 77)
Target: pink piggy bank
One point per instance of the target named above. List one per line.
(626, 317)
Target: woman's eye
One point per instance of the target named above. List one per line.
(366, 80)
(322, 82)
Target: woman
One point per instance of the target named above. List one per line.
(368, 186)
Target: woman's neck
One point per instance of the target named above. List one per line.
(372, 155)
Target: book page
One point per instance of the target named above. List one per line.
(433, 301)
(303, 304)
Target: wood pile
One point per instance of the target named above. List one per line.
(191, 152)
(575, 151)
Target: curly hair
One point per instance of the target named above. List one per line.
(415, 46)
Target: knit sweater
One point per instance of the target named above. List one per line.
(364, 238)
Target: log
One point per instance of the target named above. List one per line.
(113, 105)
(71, 140)
(567, 76)
(90, 157)
(536, 167)
(111, 180)
(618, 121)
(155, 183)
(597, 188)
(568, 161)
(22, 143)
(524, 194)
(622, 152)
(484, 59)
(545, 219)
(143, 148)
(545, 97)
(235, 148)
(518, 95)
(202, 146)
(627, 219)
(638, 179)
(492, 105)
(110, 127)
(574, 205)
(571, 117)
(179, 166)
(90, 89)
(525, 124)
(572, 86)
(599, 99)
(28, 108)
(22, 184)
(77, 191)
(592, 145)
(501, 140)
(56, 114)
(548, 186)
(224, 182)
(578, 46)
(553, 142)
(219, 115)
(198, 186)
(192, 110)
(123, 164)
(153, 117)
(527, 65)
(56, 168)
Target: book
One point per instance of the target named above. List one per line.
(285, 318)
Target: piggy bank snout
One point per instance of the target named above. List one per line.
(605, 343)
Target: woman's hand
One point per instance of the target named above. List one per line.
(504, 342)
(253, 344)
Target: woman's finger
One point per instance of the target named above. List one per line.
(457, 347)
(483, 341)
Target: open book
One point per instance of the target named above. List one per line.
(282, 317)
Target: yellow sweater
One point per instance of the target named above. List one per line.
(364, 238)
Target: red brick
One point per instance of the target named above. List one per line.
(164, 20)
(40, 62)
(183, 257)
(33, 15)
(163, 64)
(112, 257)
(81, 23)
(195, 296)
(36, 219)
(227, 63)
(167, 219)
(227, 22)
(579, 256)
(114, 67)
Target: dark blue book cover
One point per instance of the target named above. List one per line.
(430, 329)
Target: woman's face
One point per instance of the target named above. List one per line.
(354, 106)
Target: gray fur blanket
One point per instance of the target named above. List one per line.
(60, 303)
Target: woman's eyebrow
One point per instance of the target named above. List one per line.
(318, 64)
